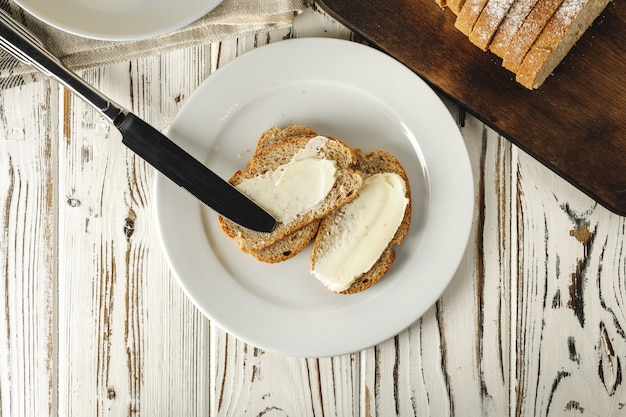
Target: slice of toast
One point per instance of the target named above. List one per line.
(345, 188)
(561, 32)
(294, 243)
(330, 227)
(528, 33)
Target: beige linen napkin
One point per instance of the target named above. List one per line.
(232, 18)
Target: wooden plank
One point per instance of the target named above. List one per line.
(569, 337)
(456, 359)
(28, 186)
(250, 381)
(130, 341)
(573, 124)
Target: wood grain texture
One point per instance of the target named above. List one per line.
(129, 340)
(571, 310)
(28, 252)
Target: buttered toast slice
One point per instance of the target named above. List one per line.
(294, 243)
(297, 180)
(354, 246)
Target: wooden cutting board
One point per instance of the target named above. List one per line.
(575, 123)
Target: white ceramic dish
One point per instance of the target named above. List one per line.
(118, 19)
(341, 89)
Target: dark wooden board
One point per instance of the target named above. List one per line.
(575, 123)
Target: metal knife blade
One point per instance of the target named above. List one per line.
(143, 139)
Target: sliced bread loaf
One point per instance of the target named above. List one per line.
(335, 230)
(276, 134)
(272, 160)
(562, 31)
(528, 33)
(531, 36)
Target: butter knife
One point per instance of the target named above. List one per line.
(144, 140)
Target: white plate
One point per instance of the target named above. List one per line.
(118, 19)
(341, 89)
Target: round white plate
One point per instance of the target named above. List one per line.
(118, 19)
(341, 89)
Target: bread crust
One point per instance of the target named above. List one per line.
(276, 134)
(289, 246)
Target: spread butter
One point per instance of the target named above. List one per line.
(363, 231)
(295, 187)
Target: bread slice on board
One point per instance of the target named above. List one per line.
(509, 26)
(294, 243)
(531, 36)
(562, 31)
(469, 14)
(487, 23)
(372, 163)
(345, 188)
(455, 5)
(528, 33)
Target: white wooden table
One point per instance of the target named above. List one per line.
(94, 324)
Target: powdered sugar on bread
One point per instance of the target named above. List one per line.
(531, 36)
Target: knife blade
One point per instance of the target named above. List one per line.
(139, 136)
(186, 171)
